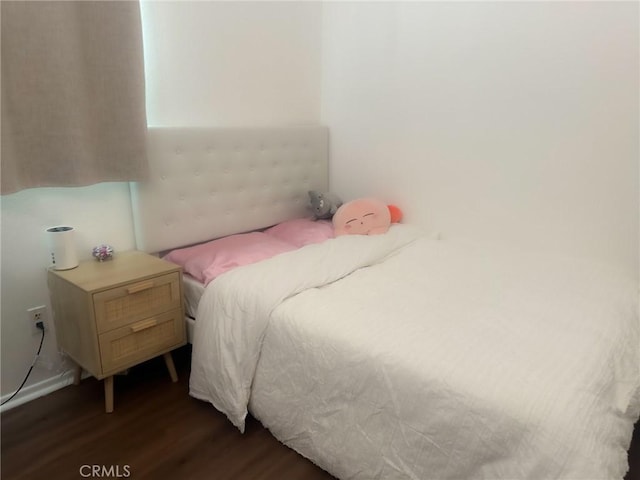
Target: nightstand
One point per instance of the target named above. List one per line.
(115, 314)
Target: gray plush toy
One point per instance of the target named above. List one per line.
(323, 204)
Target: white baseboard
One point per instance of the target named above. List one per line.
(37, 390)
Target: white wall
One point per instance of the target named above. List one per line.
(100, 214)
(226, 63)
(498, 121)
(214, 63)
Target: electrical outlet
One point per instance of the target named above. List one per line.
(37, 314)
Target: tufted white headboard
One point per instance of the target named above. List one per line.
(206, 183)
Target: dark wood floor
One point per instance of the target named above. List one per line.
(156, 432)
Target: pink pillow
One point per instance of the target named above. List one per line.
(208, 260)
(302, 231)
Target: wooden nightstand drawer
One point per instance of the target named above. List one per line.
(125, 305)
(141, 340)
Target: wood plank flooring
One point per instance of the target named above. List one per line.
(156, 432)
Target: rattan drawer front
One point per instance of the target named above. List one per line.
(135, 343)
(127, 304)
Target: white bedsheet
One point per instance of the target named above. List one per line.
(436, 361)
(193, 291)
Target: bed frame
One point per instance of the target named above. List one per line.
(207, 183)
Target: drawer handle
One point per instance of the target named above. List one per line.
(139, 287)
(143, 325)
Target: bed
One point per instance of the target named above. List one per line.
(207, 183)
(406, 355)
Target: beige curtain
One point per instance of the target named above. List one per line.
(73, 98)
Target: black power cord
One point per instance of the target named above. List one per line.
(39, 325)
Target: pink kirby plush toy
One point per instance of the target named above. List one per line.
(365, 216)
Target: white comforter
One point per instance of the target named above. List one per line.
(436, 361)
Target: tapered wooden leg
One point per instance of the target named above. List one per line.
(168, 359)
(108, 394)
(77, 375)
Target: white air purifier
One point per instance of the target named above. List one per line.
(62, 247)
